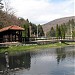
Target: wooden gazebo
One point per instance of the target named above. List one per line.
(11, 33)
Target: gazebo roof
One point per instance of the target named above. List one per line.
(12, 27)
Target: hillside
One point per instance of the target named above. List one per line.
(10, 19)
(7, 19)
(47, 26)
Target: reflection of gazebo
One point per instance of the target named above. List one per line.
(11, 34)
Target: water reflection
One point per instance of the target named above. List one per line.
(61, 54)
(2, 62)
(54, 61)
(21, 61)
(16, 61)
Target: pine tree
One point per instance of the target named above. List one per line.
(52, 32)
(57, 31)
(40, 30)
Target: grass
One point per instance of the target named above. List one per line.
(34, 47)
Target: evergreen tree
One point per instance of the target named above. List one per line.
(57, 31)
(62, 30)
(52, 32)
(26, 31)
(33, 28)
(40, 30)
(73, 34)
(72, 22)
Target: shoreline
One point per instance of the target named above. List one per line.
(13, 49)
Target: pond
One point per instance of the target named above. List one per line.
(51, 61)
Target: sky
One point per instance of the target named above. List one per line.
(43, 11)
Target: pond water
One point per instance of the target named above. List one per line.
(51, 61)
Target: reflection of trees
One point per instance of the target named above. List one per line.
(20, 61)
(71, 53)
(2, 62)
(61, 55)
(17, 61)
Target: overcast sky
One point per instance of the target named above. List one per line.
(43, 11)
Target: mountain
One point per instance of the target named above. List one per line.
(47, 26)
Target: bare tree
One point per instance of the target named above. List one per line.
(7, 8)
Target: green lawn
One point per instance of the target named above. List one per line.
(34, 47)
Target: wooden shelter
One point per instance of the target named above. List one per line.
(11, 33)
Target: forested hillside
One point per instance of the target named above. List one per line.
(8, 18)
(47, 26)
(62, 30)
(60, 27)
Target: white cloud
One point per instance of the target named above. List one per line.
(42, 11)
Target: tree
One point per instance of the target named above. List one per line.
(57, 31)
(62, 30)
(7, 8)
(52, 32)
(73, 28)
(40, 30)
(21, 21)
(73, 34)
(33, 28)
(6, 18)
(26, 27)
(72, 22)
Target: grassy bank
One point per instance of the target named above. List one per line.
(34, 47)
